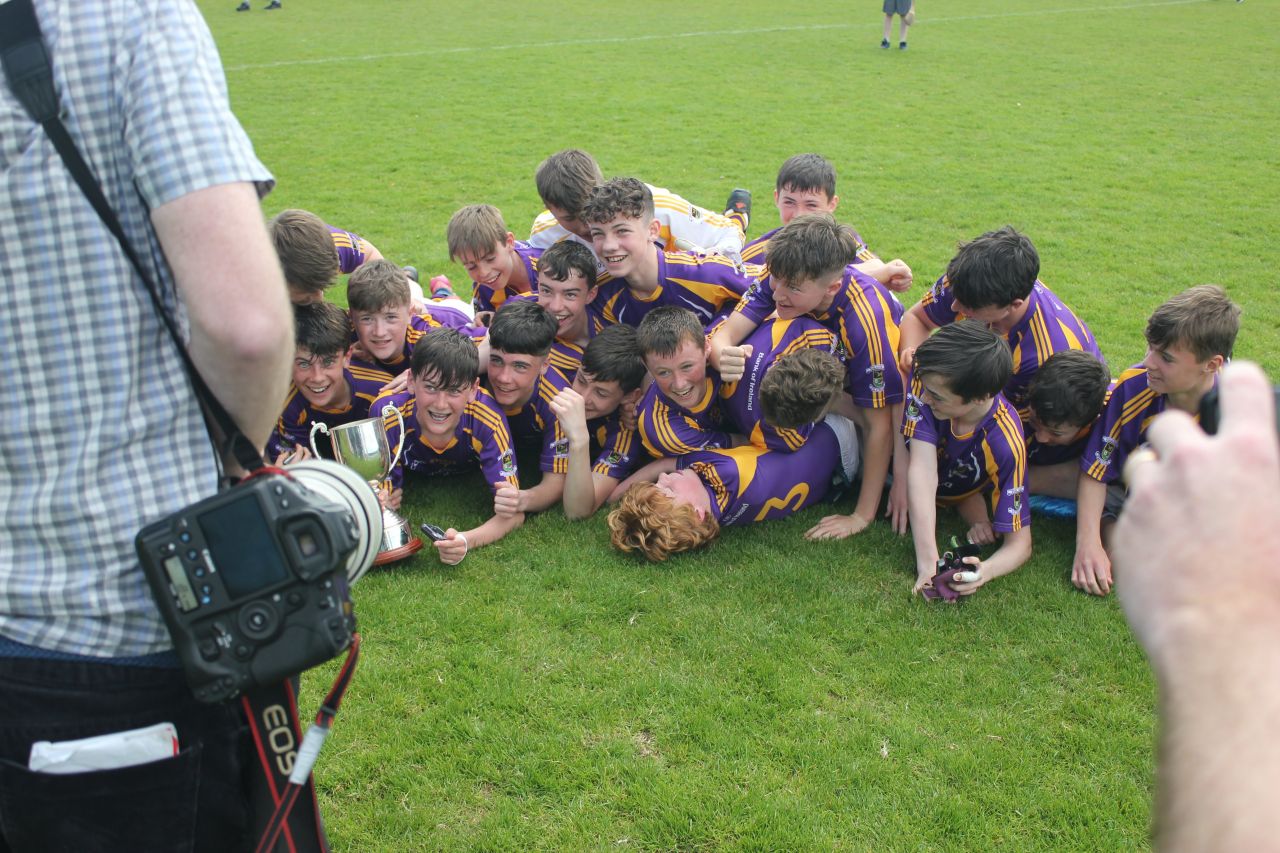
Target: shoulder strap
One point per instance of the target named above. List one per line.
(30, 74)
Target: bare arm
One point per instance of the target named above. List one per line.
(1091, 568)
(546, 494)
(648, 474)
(878, 429)
(728, 335)
(229, 278)
(913, 330)
(1014, 550)
(457, 545)
(922, 496)
(1197, 573)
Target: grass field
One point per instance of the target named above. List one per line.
(768, 694)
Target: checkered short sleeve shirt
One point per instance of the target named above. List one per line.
(99, 433)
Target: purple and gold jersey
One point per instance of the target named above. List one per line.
(1056, 454)
(566, 356)
(616, 448)
(756, 252)
(536, 420)
(991, 459)
(740, 401)
(865, 317)
(668, 429)
(482, 437)
(1123, 425)
(1049, 326)
(353, 250)
(705, 284)
(485, 298)
(749, 484)
(294, 426)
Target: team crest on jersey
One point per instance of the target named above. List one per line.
(913, 407)
(1108, 448)
(939, 288)
(507, 462)
(840, 351)
(1016, 494)
(560, 448)
(877, 377)
(614, 458)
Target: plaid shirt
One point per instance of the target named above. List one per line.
(99, 431)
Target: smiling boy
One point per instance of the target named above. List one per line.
(566, 286)
(520, 380)
(381, 308)
(679, 413)
(1189, 339)
(451, 425)
(499, 265)
(611, 376)
(643, 275)
(326, 389)
(965, 443)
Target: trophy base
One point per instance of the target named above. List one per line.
(394, 555)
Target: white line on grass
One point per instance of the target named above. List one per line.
(493, 48)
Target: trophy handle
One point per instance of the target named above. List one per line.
(386, 410)
(311, 439)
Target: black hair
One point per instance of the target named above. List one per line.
(993, 269)
(1069, 388)
(614, 356)
(806, 173)
(321, 328)
(568, 256)
(522, 327)
(448, 356)
(974, 361)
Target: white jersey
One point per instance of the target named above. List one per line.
(684, 227)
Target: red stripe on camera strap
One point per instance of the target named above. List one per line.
(292, 822)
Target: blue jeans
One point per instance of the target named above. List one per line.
(194, 801)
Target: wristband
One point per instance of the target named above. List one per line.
(466, 548)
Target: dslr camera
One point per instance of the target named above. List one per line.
(254, 582)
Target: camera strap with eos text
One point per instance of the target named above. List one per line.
(283, 819)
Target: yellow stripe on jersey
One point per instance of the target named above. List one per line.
(1072, 341)
(793, 439)
(563, 362)
(489, 418)
(607, 309)
(716, 294)
(544, 221)
(709, 476)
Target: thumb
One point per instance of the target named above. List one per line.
(747, 350)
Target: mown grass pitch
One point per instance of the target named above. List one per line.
(768, 694)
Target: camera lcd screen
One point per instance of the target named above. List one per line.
(242, 549)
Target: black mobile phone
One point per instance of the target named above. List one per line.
(434, 532)
(1209, 411)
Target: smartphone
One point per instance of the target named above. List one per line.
(1209, 411)
(434, 532)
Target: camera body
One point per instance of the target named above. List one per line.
(253, 582)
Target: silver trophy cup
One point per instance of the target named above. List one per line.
(363, 447)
